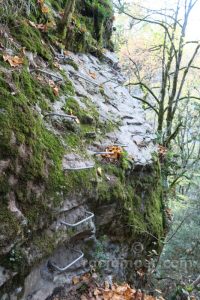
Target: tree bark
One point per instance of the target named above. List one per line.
(69, 10)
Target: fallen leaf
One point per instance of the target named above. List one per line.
(42, 27)
(75, 280)
(14, 61)
(97, 292)
(32, 24)
(99, 172)
(57, 65)
(84, 298)
(66, 52)
(44, 9)
(115, 152)
(93, 75)
(56, 91)
(107, 285)
(51, 83)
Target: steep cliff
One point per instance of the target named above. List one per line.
(57, 109)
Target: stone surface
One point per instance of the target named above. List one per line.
(103, 83)
(115, 103)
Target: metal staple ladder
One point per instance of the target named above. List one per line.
(57, 268)
(91, 215)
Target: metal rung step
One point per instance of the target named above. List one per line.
(91, 215)
(47, 73)
(79, 168)
(102, 153)
(57, 268)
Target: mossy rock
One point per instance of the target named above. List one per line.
(31, 38)
(139, 196)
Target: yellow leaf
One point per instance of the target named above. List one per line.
(57, 65)
(99, 172)
(75, 280)
(45, 9)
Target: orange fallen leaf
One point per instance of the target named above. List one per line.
(116, 152)
(14, 61)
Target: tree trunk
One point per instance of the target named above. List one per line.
(69, 10)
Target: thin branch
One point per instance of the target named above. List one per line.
(148, 21)
(184, 77)
(178, 227)
(145, 102)
(147, 88)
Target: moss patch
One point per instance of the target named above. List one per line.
(138, 195)
(30, 37)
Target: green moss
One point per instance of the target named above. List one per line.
(45, 244)
(30, 37)
(72, 63)
(41, 162)
(139, 197)
(82, 180)
(10, 227)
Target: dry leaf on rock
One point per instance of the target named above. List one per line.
(86, 277)
(75, 280)
(66, 52)
(93, 75)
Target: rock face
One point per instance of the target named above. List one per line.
(60, 199)
(125, 196)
